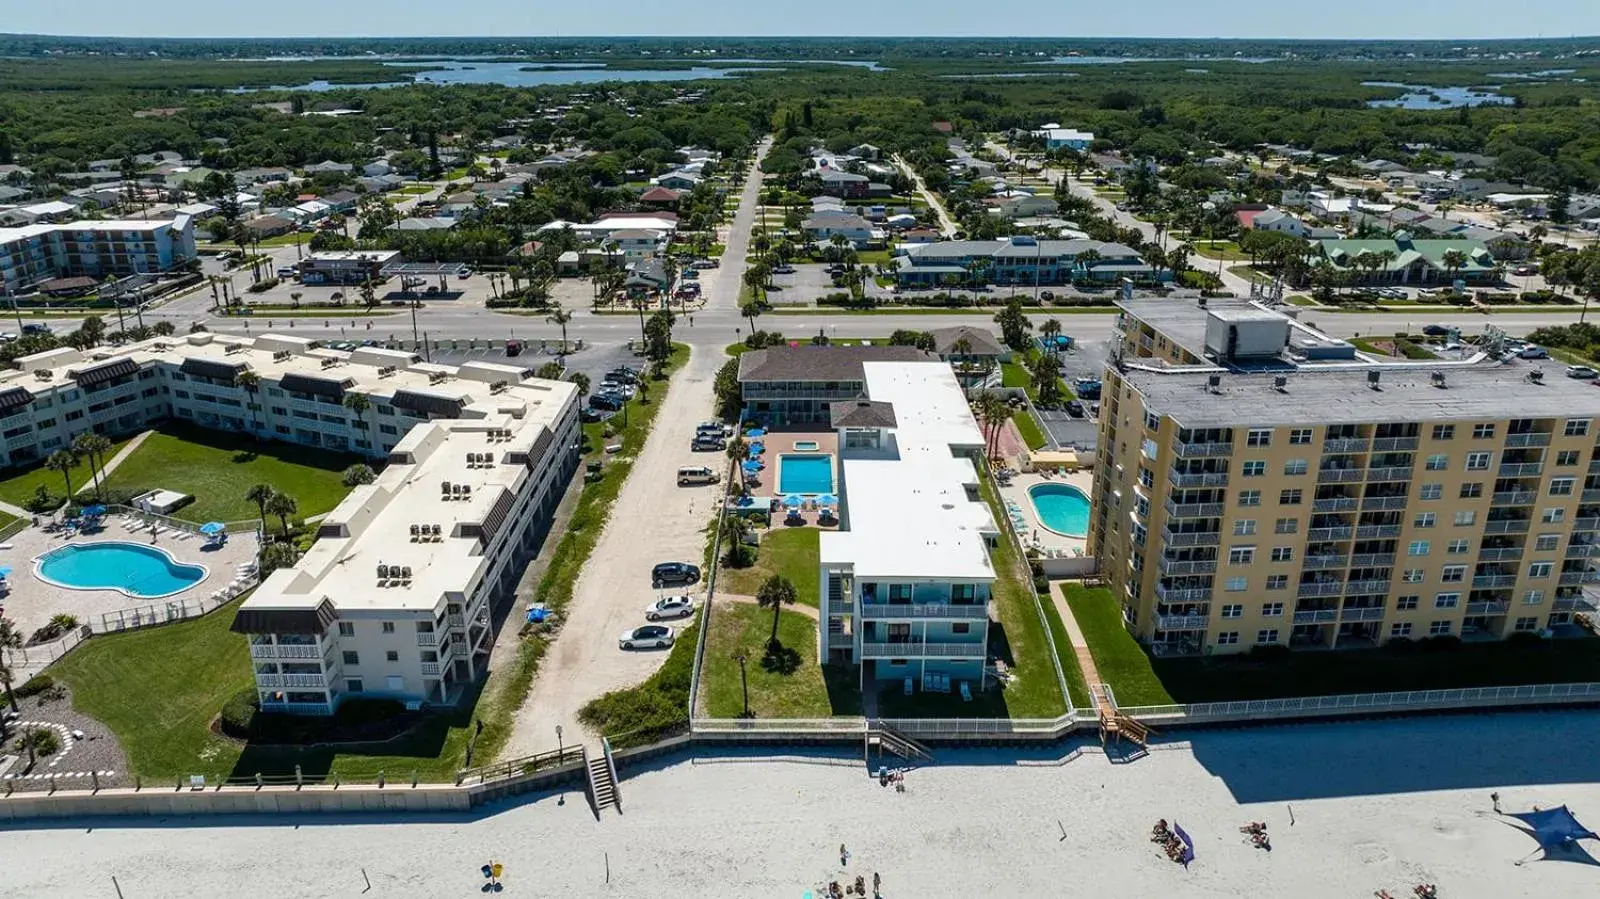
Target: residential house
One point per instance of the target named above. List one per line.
(1026, 206)
(270, 174)
(646, 277)
(823, 226)
(974, 353)
(866, 151)
(1279, 222)
(843, 184)
(341, 201)
(663, 197)
(429, 223)
(1057, 137)
(263, 227)
(637, 243)
(920, 236)
(329, 167)
(376, 167)
(678, 180)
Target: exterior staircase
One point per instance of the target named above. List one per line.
(602, 774)
(883, 738)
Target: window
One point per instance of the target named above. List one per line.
(388, 627)
(1254, 469)
(1472, 490)
(1227, 638)
(1400, 629)
(386, 429)
(1267, 636)
(1553, 516)
(1466, 518)
(1533, 597)
(391, 656)
(1249, 497)
(1446, 600)
(1478, 461)
(1233, 610)
(1567, 458)
(1235, 584)
(1412, 576)
(1423, 520)
(1444, 432)
(1286, 526)
(1452, 574)
(1432, 491)
(1526, 624)
(1577, 427)
(1437, 462)
(1283, 554)
(961, 627)
(351, 658)
(1482, 431)
(1561, 486)
(1278, 582)
(1300, 437)
(1241, 555)
(1258, 437)
(1405, 603)
(1417, 548)
(1540, 569)
(1296, 467)
(347, 628)
(1439, 629)
(353, 685)
(1457, 547)
(1546, 542)
(1272, 610)
(1290, 497)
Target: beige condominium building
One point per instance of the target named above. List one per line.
(1262, 483)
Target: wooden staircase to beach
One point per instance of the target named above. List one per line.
(602, 781)
(883, 738)
(1114, 726)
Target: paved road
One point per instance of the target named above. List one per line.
(947, 225)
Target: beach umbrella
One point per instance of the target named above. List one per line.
(827, 499)
(751, 466)
(754, 433)
(794, 501)
(5, 570)
(95, 511)
(212, 528)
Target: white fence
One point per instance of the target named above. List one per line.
(135, 617)
(1369, 703)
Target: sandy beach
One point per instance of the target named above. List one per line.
(1373, 805)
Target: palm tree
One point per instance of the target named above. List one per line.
(993, 411)
(282, 505)
(1045, 372)
(63, 461)
(91, 445)
(751, 310)
(1454, 261)
(261, 494)
(776, 592)
(559, 316)
(1050, 329)
(358, 404)
(11, 638)
(250, 382)
(582, 381)
(1087, 259)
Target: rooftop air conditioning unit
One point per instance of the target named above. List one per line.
(1373, 377)
(1280, 383)
(1214, 383)
(43, 374)
(281, 355)
(1438, 379)
(329, 363)
(230, 349)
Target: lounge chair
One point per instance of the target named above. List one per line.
(966, 691)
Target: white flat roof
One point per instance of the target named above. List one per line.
(907, 508)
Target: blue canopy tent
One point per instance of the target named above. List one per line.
(94, 511)
(1554, 828)
(212, 528)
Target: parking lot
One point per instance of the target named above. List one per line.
(803, 287)
(1085, 359)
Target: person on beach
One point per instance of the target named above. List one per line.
(844, 855)
(1495, 798)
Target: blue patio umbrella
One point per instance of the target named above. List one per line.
(212, 528)
(755, 433)
(827, 499)
(5, 570)
(95, 511)
(751, 466)
(794, 501)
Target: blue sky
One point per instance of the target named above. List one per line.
(1145, 18)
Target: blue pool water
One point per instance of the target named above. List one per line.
(805, 474)
(144, 572)
(1062, 508)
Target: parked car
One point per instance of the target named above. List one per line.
(1047, 295)
(1582, 372)
(1392, 293)
(35, 329)
(691, 475)
(676, 606)
(1525, 270)
(655, 636)
(783, 270)
(610, 402)
(674, 573)
(1435, 330)
(286, 271)
(513, 348)
(623, 373)
(1534, 352)
(1074, 408)
(705, 443)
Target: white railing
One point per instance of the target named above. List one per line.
(1360, 703)
(882, 610)
(135, 617)
(919, 649)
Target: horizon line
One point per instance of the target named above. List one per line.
(816, 37)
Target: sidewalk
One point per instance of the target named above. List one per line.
(115, 461)
(1080, 646)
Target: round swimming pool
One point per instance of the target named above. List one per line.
(1061, 508)
(142, 572)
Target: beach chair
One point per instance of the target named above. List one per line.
(966, 691)
(908, 687)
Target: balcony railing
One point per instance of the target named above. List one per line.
(1190, 538)
(1390, 473)
(1533, 438)
(1204, 479)
(1192, 510)
(1594, 467)
(1324, 534)
(1383, 503)
(1586, 524)
(1491, 607)
(430, 669)
(919, 648)
(1183, 595)
(1186, 566)
(1569, 578)
(1583, 550)
(1202, 450)
(1520, 469)
(1181, 622)
(284, 651)
(1507, 526)
(1361, 613)
(1492, 581)
(1500, 554)
(1345, 445)
(1572, 603)
(1316, 616)
(1336, 504)
(1326, 562)
(1353, 588)
(1377, 531)
(1371, 560)
(1331, 588)
(1590, 496)
(1513, 498)
(893, 610)
(454, 621)
(428, 639)
(1395, 444)
(1341, 475)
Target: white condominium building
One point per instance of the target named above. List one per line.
(33, 254)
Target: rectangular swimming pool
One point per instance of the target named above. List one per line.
(805, 474)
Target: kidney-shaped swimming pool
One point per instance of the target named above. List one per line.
(143, 572)
(1061, 508)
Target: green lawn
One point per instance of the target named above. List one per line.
(1013, 374)
(788, 684)
(413, 190)
(218, 468)
(792, 552)
(1031, 433)
(19, 487)
(1225, 250)
(1077, 685)
(1119, 658)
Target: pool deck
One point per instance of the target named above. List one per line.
(1032, 531)
(779, 443)
(32, 602)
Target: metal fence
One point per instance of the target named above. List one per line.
(711, 589)
(1369, 703)
(14, 528)
(135, 617)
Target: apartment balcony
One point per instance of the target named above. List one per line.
(430, 669)
(1330, 588)
(1391, 473)
(1341, 475)
(1572, 603)
(1495, 607)
(428, 639)
(1594, 467)
(1190, 538)
(1583, 550)
(1172, 567)
(1383, 503)
(1377, 531)
(1353, 588)
(924, 610)
(1320, 535)
(1202, 450)
(1569, 578)
(1345, 445)
(1501, 554)
(1395, 444)
(1174, 595)
(1513, 498)
(1317, 562)
(1533, 438)
(1507, 526)
(1192, 510)
(1337, 504)
(1586, 524)
(1590, 496)
(1181, 622)
(455, 621)
(1521, 469)
(1371, 560)
(1206, 479)
(1316, 616)
(921, 649)
(1493, 581)
(282, 651)
(1364, 613)
(296, 708)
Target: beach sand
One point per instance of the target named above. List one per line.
(1376, 804)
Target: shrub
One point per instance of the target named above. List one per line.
(1525, 638)
(1270, 652)
(44, 741)
(35, 685)
(239, 713)
(263, 286)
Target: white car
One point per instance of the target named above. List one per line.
(1582, 372)
(651, 636)
(678, 606)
